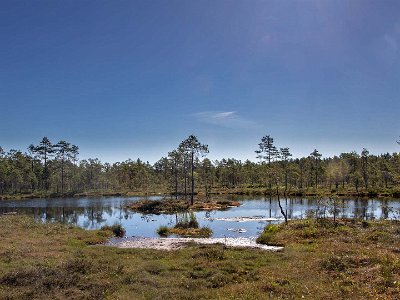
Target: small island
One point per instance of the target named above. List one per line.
(186, 226)
(169, 206)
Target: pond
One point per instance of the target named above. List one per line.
(92, 213)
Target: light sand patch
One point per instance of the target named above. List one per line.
(244, 219)
(238, 230)
(178, 243)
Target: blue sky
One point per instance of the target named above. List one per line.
(128, 79)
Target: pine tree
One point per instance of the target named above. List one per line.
(285, 155)
(267, 152)
(316, 156)
(44, 151)
(194, 148)
(65, 152)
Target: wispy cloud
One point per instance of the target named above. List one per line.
(387, 47)
(228, 119)
(391, 42)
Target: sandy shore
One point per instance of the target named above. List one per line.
(177, 243)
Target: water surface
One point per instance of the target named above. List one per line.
(92, 213)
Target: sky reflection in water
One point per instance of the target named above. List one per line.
(92, 213)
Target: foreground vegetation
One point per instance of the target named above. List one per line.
(352, 259)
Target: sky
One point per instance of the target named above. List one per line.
(129, 79)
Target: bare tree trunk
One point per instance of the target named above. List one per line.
(192, 165)
(334, 210)
(286, 181)
(301, 177)
(62, 177)
(176, 180)
(185, 175)
(280, 206)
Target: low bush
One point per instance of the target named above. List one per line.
(267, 234)
(163, 231)
(116, 229)
(334, 263)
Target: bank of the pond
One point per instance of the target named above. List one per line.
(254, 191)
(44, 195)
(348, 260)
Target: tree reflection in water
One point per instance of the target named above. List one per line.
(91, 214)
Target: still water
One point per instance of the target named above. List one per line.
(92, 213)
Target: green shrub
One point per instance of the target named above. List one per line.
(310, 232)
(268, 233)
(116, 229)
(163, 231)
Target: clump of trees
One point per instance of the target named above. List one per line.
(55, 168)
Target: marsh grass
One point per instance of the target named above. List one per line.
(203, 232)
(186, 226)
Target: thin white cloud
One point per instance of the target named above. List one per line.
(228, 119)
(225, 115)
(387, 47)
(391, 42)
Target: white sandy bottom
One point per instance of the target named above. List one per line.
(178, 243)
(244, 219)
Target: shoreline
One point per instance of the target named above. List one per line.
(229, 192)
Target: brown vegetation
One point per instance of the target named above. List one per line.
(321, 260)
(179, 205)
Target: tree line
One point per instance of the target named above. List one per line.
(184, 171)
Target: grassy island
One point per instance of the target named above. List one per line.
(179, 205)
(186, 226)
